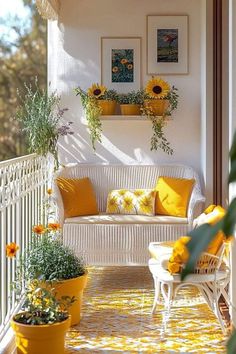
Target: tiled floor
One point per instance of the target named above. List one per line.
(117, 319)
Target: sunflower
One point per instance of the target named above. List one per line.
(124, 61)
(97, 90)
(122, 192)
(115, 69)
(130, 66)
(11, 249)
(146, 204)
(128, 204)
(157, 88)
(138, 192)
(113, 206)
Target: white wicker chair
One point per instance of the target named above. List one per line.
(211, 276)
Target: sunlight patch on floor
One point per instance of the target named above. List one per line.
(117, 318)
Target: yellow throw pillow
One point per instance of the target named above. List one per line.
(173, 196)
(137, 201)
(78, 196)
(180, 252)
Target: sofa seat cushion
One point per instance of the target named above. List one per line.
(103, 218)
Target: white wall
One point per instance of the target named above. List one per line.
(74, 59)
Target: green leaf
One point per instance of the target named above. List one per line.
(230, 219)
(200, 239)
(231, 345)
(232, 174)
(233, 149)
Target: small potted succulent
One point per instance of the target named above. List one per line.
(44, 319)
(160, 98)
(131, 103)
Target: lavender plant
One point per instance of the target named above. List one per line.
(40, 116)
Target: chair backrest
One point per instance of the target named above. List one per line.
(107, 177)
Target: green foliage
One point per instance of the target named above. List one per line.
(48, 259)
(202, 236)
(133, 97)
(41, 306)
(110, 95)
(158, 139)
(40, 115)
(92, 112)
(21, 60)
(173, 98)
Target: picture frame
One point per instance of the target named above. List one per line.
(121, 63)
(167, 44)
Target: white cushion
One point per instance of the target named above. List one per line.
(125, 219)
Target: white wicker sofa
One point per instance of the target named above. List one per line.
(123, 239)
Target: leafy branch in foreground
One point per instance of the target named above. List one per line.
(204, 234)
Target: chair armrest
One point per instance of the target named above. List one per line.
(195, 207)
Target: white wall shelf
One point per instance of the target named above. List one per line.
(120, 117)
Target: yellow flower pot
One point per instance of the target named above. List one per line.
(108, 107)
(72, 287)
(40, 339)
(130, 109)
(158, 106)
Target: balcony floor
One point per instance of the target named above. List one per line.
(117, 319)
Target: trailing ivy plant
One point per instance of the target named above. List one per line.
(158, 139)
(204, 234)
(40, 116)
(92, 111)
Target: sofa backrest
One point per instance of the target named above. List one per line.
(107, 177)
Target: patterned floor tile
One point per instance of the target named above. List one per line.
(117, 318)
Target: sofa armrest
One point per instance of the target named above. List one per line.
(195, 207)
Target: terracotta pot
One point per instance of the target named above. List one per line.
(72, 287)
(40, 339)
(158, 106)
(130, 109)
(108, 107)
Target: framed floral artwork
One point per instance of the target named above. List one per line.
(121, 63)
(167, 44)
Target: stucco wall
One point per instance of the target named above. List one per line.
(74, 59)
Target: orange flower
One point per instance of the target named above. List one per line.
(54, 226)
(49, 191)
(11, 249)
(115, 69)
(130, 66)
(39, 229)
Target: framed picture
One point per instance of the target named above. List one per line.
(121, 63)
(167, 44)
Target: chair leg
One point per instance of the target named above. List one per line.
(216, 296)
(168, 303)
(157, 293)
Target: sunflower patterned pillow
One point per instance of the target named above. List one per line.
(136, 201)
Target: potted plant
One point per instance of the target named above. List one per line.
(57, 266)
(107, 102)
(40, 115)
(160, 98)
(131, 103)
(44, 319)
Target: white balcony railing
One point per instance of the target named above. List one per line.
(23, 183)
